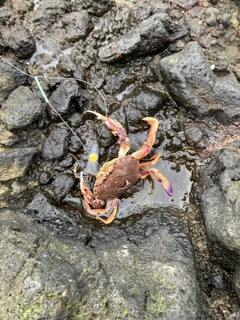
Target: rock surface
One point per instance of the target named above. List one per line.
(14, 162)
(220, 200)
(55, 144)
(21, 108)
(193, 85)
(152, 35)
(174, 60)
(55, 278)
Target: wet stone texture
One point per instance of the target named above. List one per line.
(161, 258)
(192, 83)
(10, 79)
(14, 162)
(55, 144)
(220, 200)
(21, 108)
(152, 35)
(58, 278)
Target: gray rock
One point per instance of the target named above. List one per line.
(63, 96)
(55, 144)
(7, 137)
(155, 281)
(10, 79)
(185, 4)
(14, 162)
(220, 199)
(142, 102)
(21, 108)
(20, 40)
(44, 210)
(98, 7)
(193, 135)
(193, 85)
(77, 24)
(236, 281)
(152, 35)
(211, 16)
(49, 277)
(61, 185)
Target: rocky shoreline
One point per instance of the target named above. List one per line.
(161, 258)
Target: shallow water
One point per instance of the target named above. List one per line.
(153, 194)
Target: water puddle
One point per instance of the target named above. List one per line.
(153, 193)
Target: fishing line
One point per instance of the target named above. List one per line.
(91, 154)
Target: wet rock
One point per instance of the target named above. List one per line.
(77, 24)
(236, 281)
(220, 199)
(98, 7)
(144, 102)
(47, 275)
(55, 144)
(62, 185)
(221, 64)
(226, 19)
(4, 195)
(67, 162)
(193, 135)
(7, 138)
(191, 82)
(45, 211)
(44, 178)
(152, 35)
(10, 79)
(185, 4)
(5, 14)
(63, 97)
(150, 289)
(21, 108)
(75, 144)
(20, 40)
(211, 16)
(15, 162)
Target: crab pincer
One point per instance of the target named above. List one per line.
(117, 130)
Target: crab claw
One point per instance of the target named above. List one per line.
(160, 178)
(151, 137)
(117, 130)
(165, 183)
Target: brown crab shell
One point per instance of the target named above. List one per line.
(116, 177)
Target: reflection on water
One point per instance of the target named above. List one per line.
(153, 193)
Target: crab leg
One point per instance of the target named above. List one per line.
(153, 161)
(147, 146)
(118, 130)
(160, 178)
(110, 204)
(97, 204)
(90, 198)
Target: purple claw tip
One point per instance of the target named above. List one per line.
(168, 188)
(170, 191)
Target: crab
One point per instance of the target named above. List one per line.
(115, 177)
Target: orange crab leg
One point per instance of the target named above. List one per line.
(113, 203)
(97, 204)
(153, 161)
(89, 196)
(160, 178)
(147, 146)
(118, 130)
